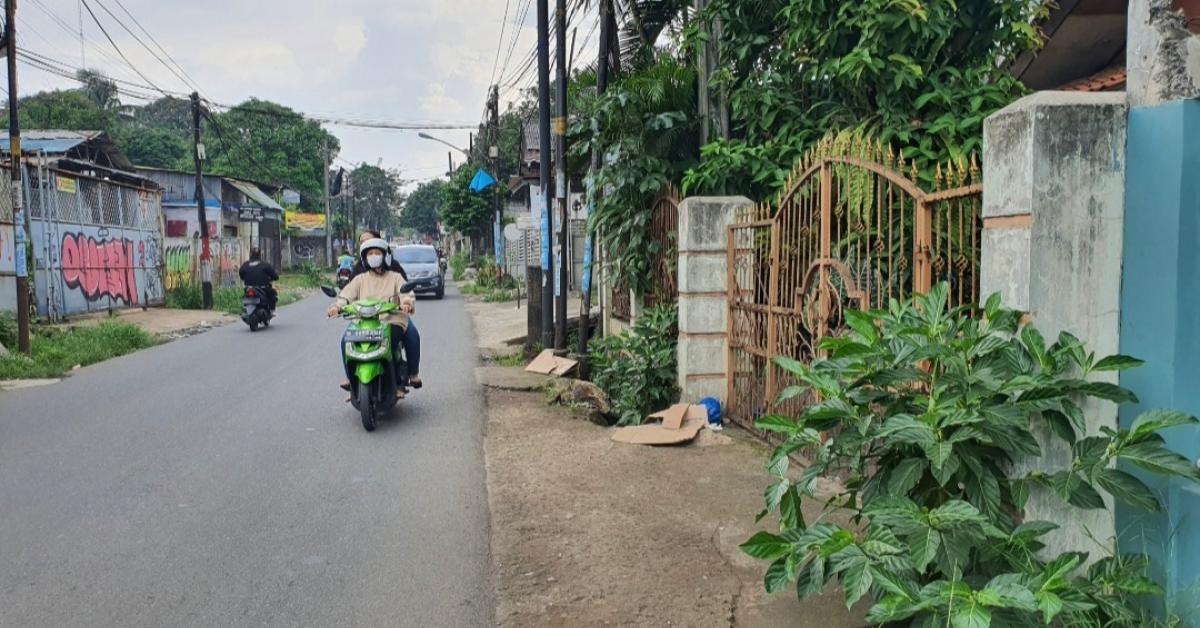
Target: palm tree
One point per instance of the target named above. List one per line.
(99, 89)
(636, 26)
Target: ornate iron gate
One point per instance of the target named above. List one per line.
(851, 230)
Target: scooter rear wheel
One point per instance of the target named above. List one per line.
(366, 407)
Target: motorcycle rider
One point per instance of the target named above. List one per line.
(379, 282)
(259, 274)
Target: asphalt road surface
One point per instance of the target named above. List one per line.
(220, 480)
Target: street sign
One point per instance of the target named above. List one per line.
(250, 214)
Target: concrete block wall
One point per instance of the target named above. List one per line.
(703, 304)
(1053, 207)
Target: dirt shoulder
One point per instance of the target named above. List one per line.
(588, 532)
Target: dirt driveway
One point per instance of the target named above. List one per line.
(588, 532)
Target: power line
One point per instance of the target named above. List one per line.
(145, 45)
(500, 43)
(67, 67)
(515, 38)
(39, 64)
(193, 82)
(118, 48)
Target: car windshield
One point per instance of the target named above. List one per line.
(416, 255)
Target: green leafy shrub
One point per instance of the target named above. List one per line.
(55, 351)
(930, 410)
(8, 329)
(458, 265)
(185, 297)
(637, 368)
(226, 299)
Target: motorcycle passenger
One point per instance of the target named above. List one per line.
(383, 284)
(259, 274)
(388, 260)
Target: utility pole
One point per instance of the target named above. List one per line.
(205, 251)
(562, 181)
(18, 198)
(544, 157)
(328, 216)
(589, 254)
(494, 153)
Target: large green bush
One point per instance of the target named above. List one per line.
(930, 410)
(637, 368)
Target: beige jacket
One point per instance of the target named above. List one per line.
(382, 286)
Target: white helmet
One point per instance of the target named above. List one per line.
(373, 243)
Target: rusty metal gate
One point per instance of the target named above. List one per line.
(664, 258)
(851, 230)
(664, 230)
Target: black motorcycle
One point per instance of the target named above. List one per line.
(256, 306)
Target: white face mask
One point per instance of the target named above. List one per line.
(375, 261)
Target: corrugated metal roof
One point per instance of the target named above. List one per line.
(251, 190)
(51, 146)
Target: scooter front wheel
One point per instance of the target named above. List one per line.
(366, 407)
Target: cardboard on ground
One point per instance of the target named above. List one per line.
(546, 363)
(679, 424)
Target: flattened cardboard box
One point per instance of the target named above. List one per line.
(546, 363)
(688, 419)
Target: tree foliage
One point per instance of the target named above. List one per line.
(62, 109)
(645, 125)
(929, 411)
(421, 208)
(921, 76)
(269, 142)
(376, 196)
(464, 211)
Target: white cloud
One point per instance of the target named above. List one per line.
(439, 105)
(401, 60)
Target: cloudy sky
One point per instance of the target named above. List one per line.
(391, 60)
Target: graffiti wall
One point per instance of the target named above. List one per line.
(181, 265)
(83, 268)
(96, 245)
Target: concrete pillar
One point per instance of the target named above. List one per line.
(1162, 56)
(1053, 206)
(703, 305)
(1160, 323)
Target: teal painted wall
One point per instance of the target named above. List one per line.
(1160, 323)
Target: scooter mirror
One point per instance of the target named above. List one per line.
(408, 287)
(329, 291)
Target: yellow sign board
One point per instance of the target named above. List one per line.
(306, 222)
(65, 184)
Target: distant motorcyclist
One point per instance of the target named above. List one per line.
(346, 261)
(259, 274)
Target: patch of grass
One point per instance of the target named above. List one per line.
(288, 298)
(56, 351)
(473, 289)
(499, 296)
(513, 359)
(302, 281)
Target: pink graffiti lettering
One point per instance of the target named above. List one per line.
(99, 268)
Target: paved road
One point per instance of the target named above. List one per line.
(221, 481)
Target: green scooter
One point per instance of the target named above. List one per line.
(368, 348)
